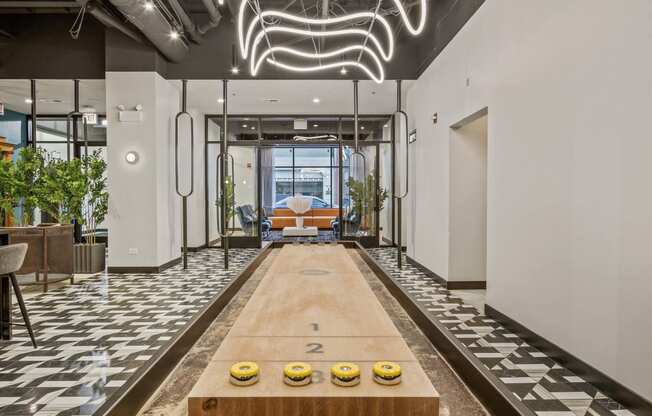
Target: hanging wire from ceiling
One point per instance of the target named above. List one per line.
(76, 27)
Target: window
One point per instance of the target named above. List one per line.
(310, 171)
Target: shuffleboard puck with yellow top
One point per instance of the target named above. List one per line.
(244, 373)
(387, 373)
(297, 374)
(345, 374)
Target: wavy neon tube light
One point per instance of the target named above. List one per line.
(246, 40)
(247, 47)
(323, 67)
(422, 17)
(261, 34)
(379, 78)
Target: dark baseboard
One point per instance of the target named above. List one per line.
(144, 269)
(451, 285)
(195, 249)
(607, 385)
(481, 381)
(466, 284)
(138, 389)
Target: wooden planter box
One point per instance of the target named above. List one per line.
(90, 258)
(50, 250)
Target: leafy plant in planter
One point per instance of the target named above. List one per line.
(363, 197)
(97, 198)
(29, 167)
(8, 191)
(62, 188)
(229, 189)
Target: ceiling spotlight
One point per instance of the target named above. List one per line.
(316, 100)
(253, 128)
(244, 126)
(343, 71)
(28, 100)
(149, 6)
(361, 127)
(315, 125)
(174, 34)
(220, 100)
(235, 70)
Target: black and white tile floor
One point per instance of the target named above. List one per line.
(544, 386)
(94, 335)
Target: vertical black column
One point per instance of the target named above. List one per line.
(399, 201)
(32, 85)
(75, 123)
(184, 198)
(224, 166)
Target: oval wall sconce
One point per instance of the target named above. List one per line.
(131, 157)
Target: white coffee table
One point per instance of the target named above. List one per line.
(300, 232)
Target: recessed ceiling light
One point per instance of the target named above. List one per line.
(361, 127)
(220, 100)
(316, 100)
(315, 125)
(235, 70)
(149, 6)
(386, 125)
(343, 71)
(244, 126)
(253, 127)
(28, 100)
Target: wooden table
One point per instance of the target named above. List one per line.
(313, 305)
(5, 297)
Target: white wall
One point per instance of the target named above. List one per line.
(144, 211)
(468, 202)
(567, 85)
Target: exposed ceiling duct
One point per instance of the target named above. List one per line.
(154, 25)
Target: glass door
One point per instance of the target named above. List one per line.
(361, 194)
(243, 217)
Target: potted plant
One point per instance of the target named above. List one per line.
(29, 167)
(90, 256)
(229, 189)
(363, 198)
(8, 191)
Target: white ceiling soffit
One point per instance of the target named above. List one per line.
(52, 96)
(294, 96)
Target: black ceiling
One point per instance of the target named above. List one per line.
(32, 34)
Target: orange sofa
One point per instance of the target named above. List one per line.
(316, 217)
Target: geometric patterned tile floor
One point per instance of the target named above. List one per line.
(544, 386)
(95, 334)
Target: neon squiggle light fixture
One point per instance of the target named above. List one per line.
(262, 29)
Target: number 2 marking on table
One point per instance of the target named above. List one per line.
(315, 348)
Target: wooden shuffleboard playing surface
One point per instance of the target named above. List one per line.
(313, 305)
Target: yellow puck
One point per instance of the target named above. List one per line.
(244, 373)
(297, 374)
(387, 373)
(345, 374)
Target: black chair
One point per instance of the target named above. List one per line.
(249, 220)
(11, 260)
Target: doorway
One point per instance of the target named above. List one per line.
(468, 203)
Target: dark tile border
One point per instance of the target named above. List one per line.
(146, 380)
(483, 383)
(607, 385)
(143, 269)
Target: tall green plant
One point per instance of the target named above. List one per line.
(229, 189)
(61, 190)
(97, 198)
(363, 197)
(29, 168)
(8, 190)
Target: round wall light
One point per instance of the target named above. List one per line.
(131, 157)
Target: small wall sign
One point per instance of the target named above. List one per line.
(412, 137)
